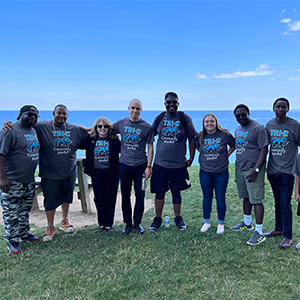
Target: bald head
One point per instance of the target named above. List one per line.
(135, 108)
(137, 100)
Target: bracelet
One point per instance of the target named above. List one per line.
(149, 167)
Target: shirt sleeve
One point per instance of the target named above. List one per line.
(116, 127)
(297, 134)
(150, 136)
(296, 166)
(231, 140)
(262, 137)
(191, 131)
(6, 139)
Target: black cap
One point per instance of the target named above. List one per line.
(27, 108)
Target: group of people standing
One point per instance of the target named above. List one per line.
(251, 141)
(108, 160)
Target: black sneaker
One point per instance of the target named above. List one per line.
(242, 227)
(14, 247)
(139, 229)
(179, 223)
(157, 222)
(127, 229)
(31, 238)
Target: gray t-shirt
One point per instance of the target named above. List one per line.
(171, 144)
(134, 137)
(249, 139)
(58, 149)
(101, 153)
(20, 147)
(213, 151)
(284, 142)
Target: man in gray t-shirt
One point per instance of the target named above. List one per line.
(19, 156)
(59, 141)
(251, 142)
(284, 138)
(174, 128)
(134, 163)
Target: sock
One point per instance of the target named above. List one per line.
(247, 219)
(258, 227)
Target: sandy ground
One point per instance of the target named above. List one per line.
(76, 216)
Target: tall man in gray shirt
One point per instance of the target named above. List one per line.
(19, 156)
(59, 141)
(134, 164)
(170, 165)
(284, 135)
(251, 142)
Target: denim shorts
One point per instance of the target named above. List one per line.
(255, 191)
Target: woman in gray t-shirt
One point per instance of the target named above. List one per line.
(212, 143)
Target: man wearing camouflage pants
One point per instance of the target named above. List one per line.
(19, 155)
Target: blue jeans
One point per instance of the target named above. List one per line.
(210, 181)
(282, 186)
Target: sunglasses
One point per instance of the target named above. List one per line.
(171, 102)
(100, 126)
(31, 114)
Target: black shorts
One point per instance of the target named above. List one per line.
(57, 191)
(164, 179)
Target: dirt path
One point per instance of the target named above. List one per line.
(76, 216)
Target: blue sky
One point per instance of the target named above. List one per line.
(100, 54)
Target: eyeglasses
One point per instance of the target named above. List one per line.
(100, 126)
(31, 114)
(171, 102)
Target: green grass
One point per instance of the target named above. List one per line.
(168, 264)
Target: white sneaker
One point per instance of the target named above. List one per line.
(298, 246)
(220, 229)
(205, 227)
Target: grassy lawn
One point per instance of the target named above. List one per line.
(168, 264)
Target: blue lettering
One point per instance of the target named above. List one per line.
(242, 133)
(31, 137)
(284, 133)
(171, 123)
(61, 133)
(132, 130)
(212, 141)
(102, 143)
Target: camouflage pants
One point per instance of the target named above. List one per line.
(16, 205)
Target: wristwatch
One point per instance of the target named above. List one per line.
(256, 170)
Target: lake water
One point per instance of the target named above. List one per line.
(87, 118)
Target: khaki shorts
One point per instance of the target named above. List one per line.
(255, 191)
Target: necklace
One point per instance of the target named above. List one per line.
(64, 131)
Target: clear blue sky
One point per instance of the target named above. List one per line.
(100, 54)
